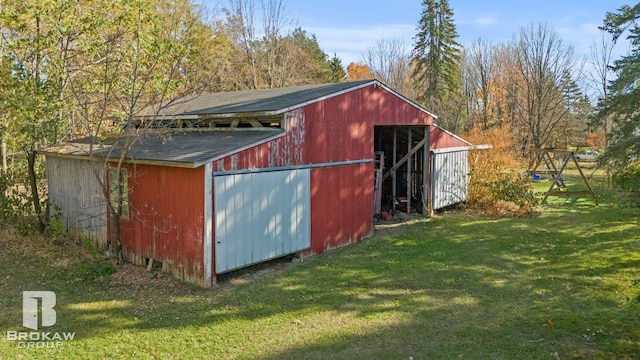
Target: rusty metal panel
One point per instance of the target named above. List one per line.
(450, 179)
(260, 216)
(77, 197)
(167, 221)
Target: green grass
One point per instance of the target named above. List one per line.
(561, 285)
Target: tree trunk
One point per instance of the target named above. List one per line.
(35, 196)
(4, 153)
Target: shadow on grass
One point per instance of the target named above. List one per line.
(456, 286)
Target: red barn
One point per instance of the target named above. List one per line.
(242, 177)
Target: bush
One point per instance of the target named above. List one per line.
(15, 207)
(494, 187)
(627, 177)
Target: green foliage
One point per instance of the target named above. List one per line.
(627, 177)
(338, 74)
(13, 202)
(98, 269)
(498, 193)
(94, 269)
(16, 205)
(436, 53)
(55, 228)
(621, 105)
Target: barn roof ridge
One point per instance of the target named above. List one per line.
(263, 101)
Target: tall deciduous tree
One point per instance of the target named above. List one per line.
(480, 72)
(436, 55)
(278, 54)
(150, 57)
(601, 60)
(91, 66)
(544, 62)
(35, 45)
(390, 62)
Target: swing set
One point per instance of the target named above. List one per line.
(558, 186)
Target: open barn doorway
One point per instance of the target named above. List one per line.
(406, 171)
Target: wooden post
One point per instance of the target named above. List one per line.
(394, 184)
(427, 209)
(568, 155)
(409, 168)
(593, 196)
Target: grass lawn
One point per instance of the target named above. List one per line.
(561, 285)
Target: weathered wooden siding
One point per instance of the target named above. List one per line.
(76, 197)
(166, 220)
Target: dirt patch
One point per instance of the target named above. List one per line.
(137, 279)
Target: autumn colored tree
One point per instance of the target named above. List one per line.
(494, 186)
(278, 54)
(358, 71)
(595, 140)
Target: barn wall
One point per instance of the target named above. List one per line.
(334, 130)
(77, 198)
(341, 206)
(337, 129)
(440, 139)
(167, 221)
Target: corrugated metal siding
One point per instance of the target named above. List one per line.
(260, 216)
(167, 219)
(337, 129)
(341, 206)
(449, 178)
(77, 197)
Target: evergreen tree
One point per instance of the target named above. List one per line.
(436, 55)
(337, 70)
(624, 92)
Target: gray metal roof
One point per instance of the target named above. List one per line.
(181, 149)
(272, 101)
